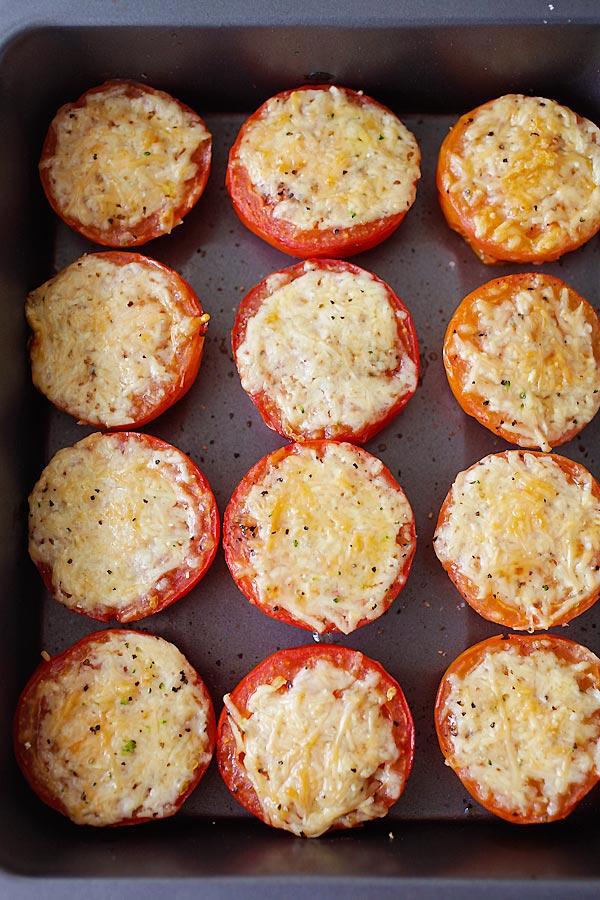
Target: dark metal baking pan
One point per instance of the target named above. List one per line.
(429, 68)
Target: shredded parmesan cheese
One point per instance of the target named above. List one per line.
(525, 534)
(124, 157)
(524, 728)
(318, 750)
(112, 519)
(120, 733)
(526, 172)
(324, 161)
(532, 356)
(109, 339)
(328, 536)
(325, 348)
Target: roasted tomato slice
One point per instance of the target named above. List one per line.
(518, 720)
(320, 535)
(519, 535)
(316, 738)
(518, 178)
(121, 525)
(117, 730)
(522, 355)
(117, 338)
(323, 171)
(125, 163)
(326, 349)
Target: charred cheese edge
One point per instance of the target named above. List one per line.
(526, 173)
(124, 157)
(523, 728)
(525, 534)
(318, 750)
(531, 355)
(322, 160)
(113, 517)
(119, 733)
(109, 338)
(327, 536)
(325, 349)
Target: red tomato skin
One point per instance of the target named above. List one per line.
(286, 663)
(255, 213)
(177, 585)
(26, 712)
(564, 649)
(471, 403)
(489, 607)
(150, 227)
(234, 546)
(269, 410)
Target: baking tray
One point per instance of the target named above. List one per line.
(429, 67)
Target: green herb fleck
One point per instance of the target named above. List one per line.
(128, 747)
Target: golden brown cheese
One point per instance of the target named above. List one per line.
(111, 518)
(108, 338)
(325, 161)
(532, 355)
(325, 348)
(528, 171)
(314, 752)
(328, 536)
(519, 528)
(124, 157)
(119, 734)
(523, 725)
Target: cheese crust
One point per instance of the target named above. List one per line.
(519, 535)
(116, 338)
(519, 177)
(125, 163)
(319, 748)
(323, 160)
(321, 535)
(117, 730)
(522, 355)
(121, 525)
(323, 171)
(326, 350)
(520, 724)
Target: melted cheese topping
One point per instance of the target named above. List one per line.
(322, 160)
(112, 520)
(527, 172)
(531, 356)
(124, 158)
(121, 733)
(525, 728)
(109, 339)
(525, 534)
(325, 348)
(327, 537)
(319, 752)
